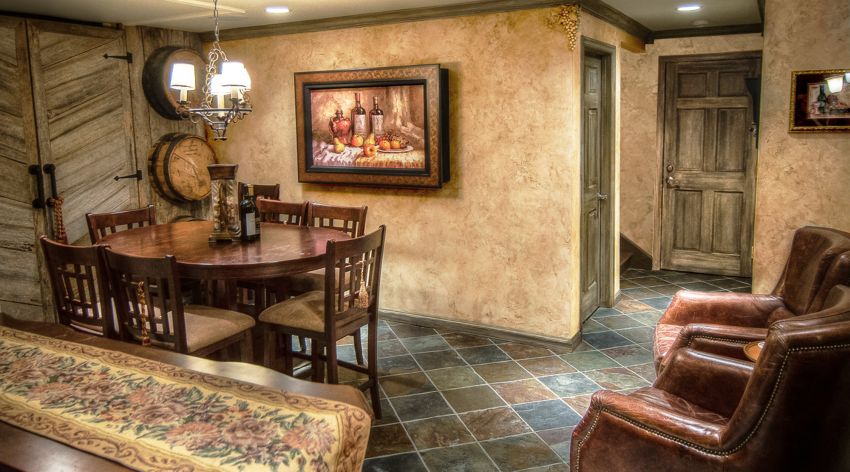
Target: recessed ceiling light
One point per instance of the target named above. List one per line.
(687, 8)
(277, 10)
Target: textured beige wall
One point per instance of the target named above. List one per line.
(802, 178)
(639, 159)
(498, 245)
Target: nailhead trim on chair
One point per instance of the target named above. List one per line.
(715, 452)
(714, 338)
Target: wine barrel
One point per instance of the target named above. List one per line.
(177, 166)
(156, 79)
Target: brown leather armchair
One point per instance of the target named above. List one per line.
(723, 322)
(707, 412)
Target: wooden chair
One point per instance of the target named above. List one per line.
(103, 224)
(147, 314)
(260, 191)
(348, 302)
(276, 211)
(80, 287)
(350, 220)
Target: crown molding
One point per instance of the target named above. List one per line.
(709, 31)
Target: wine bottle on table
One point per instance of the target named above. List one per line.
(249, 217)
(358, 117)
(377, 116)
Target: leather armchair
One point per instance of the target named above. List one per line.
(723, 322)
(706, 412)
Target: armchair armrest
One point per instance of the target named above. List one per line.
(723, 340)
(713, 382)
(738, 309)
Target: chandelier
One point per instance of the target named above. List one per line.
(226, 90)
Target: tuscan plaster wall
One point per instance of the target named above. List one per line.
(640, 161)
(802, 178)
(499, 244)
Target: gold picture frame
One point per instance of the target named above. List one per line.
(817, 108)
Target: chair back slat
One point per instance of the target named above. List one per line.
(80, 286)
(104, 224)
(350, 220)
(163, 318)
(276, 211)
(347, 264)
(271, 192)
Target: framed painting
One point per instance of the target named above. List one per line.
(384, 127)
(820, 101)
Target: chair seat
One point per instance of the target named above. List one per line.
(206, 325)
(306, 311)
(665, 336)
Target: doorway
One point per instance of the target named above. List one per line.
(597, 148)
(708, 157)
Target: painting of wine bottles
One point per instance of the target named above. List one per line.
(383, 127)
(820, 100)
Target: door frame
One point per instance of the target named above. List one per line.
(607, 184)
(659, 168)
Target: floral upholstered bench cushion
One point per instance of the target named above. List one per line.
(148, 415)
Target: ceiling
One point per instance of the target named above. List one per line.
(196, 15)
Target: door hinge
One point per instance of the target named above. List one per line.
(128, 57)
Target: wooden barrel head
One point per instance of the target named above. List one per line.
(156, 79)
(178, 167)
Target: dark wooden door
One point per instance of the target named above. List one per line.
(709, 163)
(20, 279)
(591, 177)
(84, 117)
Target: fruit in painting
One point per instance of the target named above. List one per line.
(370, 139)
(338, 146)
(385, 145)
(357, 140)
(395, 144)
(370, 150)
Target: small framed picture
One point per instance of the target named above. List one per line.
(820, 101)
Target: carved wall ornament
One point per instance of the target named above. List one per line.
(567, 19)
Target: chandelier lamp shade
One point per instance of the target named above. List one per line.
(226, 89)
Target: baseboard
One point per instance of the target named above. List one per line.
(475, 329)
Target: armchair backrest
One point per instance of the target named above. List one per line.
(813, 251)
(794, 413)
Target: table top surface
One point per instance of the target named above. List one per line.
(281, 250)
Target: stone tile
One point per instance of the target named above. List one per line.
(640, 293)
(742, 290)
(415, 407)
(633, 273)
(454, 377)
(397, 365)
(425, 343)
(647, 371)
(500, 341)
(472, 398)
(648, 318)
(438, 359)
(411, 331)
(546, 366)
(389, 348)
(483, 354)
(658, 303)
(559, 440)
(388, 415)
(631, 306)
(678, 279)
(603, 312)
(567, 385)
(605, 339)
(494, 423)
(501, 371)
(444, 431)
(617, 378)
(582, 346)
(523, 391)
(700, 287)
(648, 281)
(594, 326)
(618, 322)
(406, 384)
(589, 360)
(460, 340)
(550, 468)
(579, 403)
(524, 351)
(628, 284)
(547, 414)
(668, 290)
(466, 458)
(629, 355)
(388, 439)
(642, 334)
(409, 462)
(729, 284)
(520, 452)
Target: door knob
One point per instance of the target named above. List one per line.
(671, 182)
(602, 196)
(669, 167)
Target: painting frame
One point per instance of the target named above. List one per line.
(433, 172)
(804, 114)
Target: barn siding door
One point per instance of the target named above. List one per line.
(84, 118)
(20, 281)
(709, 164)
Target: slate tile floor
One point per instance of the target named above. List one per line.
(454, 402)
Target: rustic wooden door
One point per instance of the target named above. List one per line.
(20, 281)
(84, 117)
(709, 164)
(593, 185)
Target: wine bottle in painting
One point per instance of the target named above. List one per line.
(249, 217)
(341, 127)
(377, 116)
(358, 117)
(822, 101)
